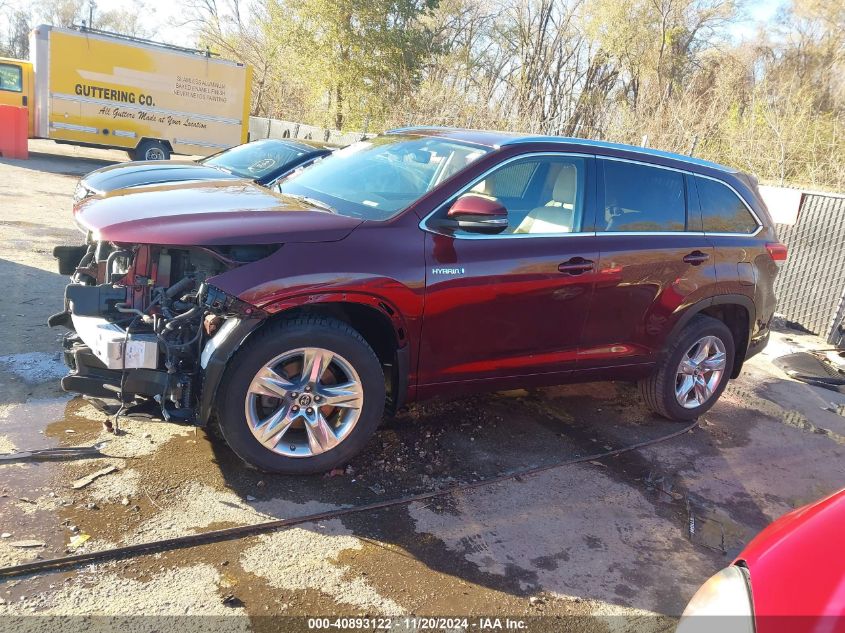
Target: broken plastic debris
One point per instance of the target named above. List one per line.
(77, 540)
(84, 481)
(27, 543)
(233, 601)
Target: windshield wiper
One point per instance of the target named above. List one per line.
(312, 201)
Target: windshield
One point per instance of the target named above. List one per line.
(376, 178)
(255, 160)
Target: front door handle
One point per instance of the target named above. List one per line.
(576, 266)
(696, 258)
(24, 100)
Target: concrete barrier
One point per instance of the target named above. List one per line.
(262, 127)
(14, 138)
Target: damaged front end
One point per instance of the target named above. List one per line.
(147, 325)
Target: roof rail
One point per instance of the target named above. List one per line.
(82, 28)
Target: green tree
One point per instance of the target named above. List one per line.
(360, 56)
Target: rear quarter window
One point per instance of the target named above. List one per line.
(722, 211)
(642, 198)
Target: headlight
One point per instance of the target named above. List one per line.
(727, 593)
(80, 193)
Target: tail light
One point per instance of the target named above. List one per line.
(777, 252)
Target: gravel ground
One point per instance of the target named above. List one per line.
(608, 539)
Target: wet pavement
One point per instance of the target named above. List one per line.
(632, 535)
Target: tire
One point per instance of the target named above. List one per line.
(246, 403)
(151, 150)
(660, 389)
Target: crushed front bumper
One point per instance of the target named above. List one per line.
(90, 376)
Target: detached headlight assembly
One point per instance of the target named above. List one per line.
(726, 594)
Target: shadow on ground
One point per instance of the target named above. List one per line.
(57, 164)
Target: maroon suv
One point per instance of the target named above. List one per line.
(419, 263)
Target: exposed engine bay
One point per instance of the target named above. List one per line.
(140, 317)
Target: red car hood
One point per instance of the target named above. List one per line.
(797, 568)
(207, 213)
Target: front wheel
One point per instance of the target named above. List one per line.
(694, 371)
(301, 397)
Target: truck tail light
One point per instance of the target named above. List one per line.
(777, 252)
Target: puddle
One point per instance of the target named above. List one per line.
(35, 367)
(748, 400)
(22, 427)
(34, 494)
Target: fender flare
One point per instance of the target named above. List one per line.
(380, 304)
(402, 389)
(728, 299)
(215, 361)
(215, 358)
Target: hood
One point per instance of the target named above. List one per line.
(797, 566)
(151, 172)
(212, 213)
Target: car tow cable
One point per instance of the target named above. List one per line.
(227, 534)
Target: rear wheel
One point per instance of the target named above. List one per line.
(151, 150)
(694, 371)
(302, 397)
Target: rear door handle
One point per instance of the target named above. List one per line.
(696, 257)
(576, 266)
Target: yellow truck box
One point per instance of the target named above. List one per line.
(88, 87)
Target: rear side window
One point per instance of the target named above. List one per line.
(11, 78)
(642, 198)
(721, 209)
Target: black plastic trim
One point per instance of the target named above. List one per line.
(213, 373)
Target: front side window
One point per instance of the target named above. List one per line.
(642, 198)
(377, 178)
(543, 195)
(721, 209)
(11, 78)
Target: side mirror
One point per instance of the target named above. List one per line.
(478, 213)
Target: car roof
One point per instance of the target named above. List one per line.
(498, 140)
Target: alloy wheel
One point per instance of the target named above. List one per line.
(304, 402)
(700, 372)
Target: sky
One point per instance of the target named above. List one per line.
(758, 13)
(163, 16)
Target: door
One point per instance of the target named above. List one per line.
(16, 87)
(654, 260)
(512, 304)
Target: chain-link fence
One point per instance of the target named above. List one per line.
(811, 286)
